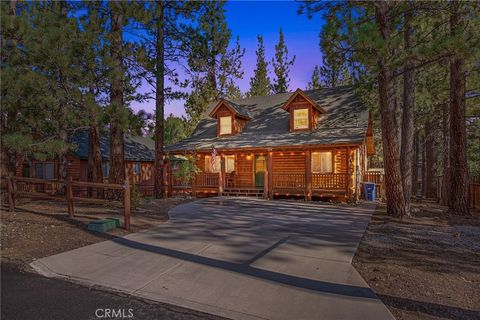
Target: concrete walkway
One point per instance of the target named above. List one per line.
(240, 258)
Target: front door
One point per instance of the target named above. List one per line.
(260, 167)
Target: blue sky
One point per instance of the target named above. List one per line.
(247, 19)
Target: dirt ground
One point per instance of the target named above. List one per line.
(42, 228)
(424, 267)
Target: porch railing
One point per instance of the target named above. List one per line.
(288, 180)
(205, 179)
(329, 181)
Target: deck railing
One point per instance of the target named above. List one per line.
(288, 180)
(206, 179)
(329, 181)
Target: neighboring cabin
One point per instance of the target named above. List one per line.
(139, 161)
(307, 143)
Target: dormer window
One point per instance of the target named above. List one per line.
(225, 125)
(304, 112)
(231, 118)
(300, 119)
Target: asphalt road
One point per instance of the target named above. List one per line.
(27, 295)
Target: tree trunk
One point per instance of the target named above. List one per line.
(446, 155)
(391, 149)
(423, 165)
(160, 101)
(458, 200)
(95, 173)
(62, 134)
(117, 154)
(430, 158)
(407, 115)
(415, 160)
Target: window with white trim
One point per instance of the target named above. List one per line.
(229, 164)
(226, 125)
(300, 119)
(215, 168)
(322, 162)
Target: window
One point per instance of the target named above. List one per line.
(226, 125)
(105, 169)
(49, 170)
(229, 164)
(208, 164)
(39, 170)
(300, 119)
(44, 170)
(137, 168)
(322, 162)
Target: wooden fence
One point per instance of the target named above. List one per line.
(64, 190)
(473, 188)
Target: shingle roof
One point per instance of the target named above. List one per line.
(136, 148)
(344, 122)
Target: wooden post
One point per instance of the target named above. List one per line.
(347, 176)
(170, 179)
(126, 205)
(270, 175)
(11, 195)
(308, 175)
(265, 184)
(165, 179)
(221, 176)
(71, 212)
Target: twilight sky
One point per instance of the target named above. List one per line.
(247, 19)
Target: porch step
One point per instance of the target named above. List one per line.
(244, 192)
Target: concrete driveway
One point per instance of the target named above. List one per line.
(241, 258)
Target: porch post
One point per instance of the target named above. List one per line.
(221, 175)
(270, 174)
(308, 175)
(347, 169)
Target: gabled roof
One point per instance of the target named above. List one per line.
(301, 93)
(136, 148)
(345, 121)
(233, 107)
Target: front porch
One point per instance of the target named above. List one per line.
(322, 173)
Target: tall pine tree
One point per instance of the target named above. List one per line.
(213, 67)
(281, 66)
(315, 82)
(260, 82)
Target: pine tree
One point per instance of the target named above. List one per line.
(334, 71)
(117, 110)
(458, 200)
(315, 82)
(260, 82)
(41, 80)
(281, 66)
(213, 67)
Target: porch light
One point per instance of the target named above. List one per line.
(249, 157)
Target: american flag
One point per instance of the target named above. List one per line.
(213, 159)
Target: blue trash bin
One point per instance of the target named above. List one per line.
(370, 191)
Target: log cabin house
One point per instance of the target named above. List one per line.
(139, 161)
(305, 144)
